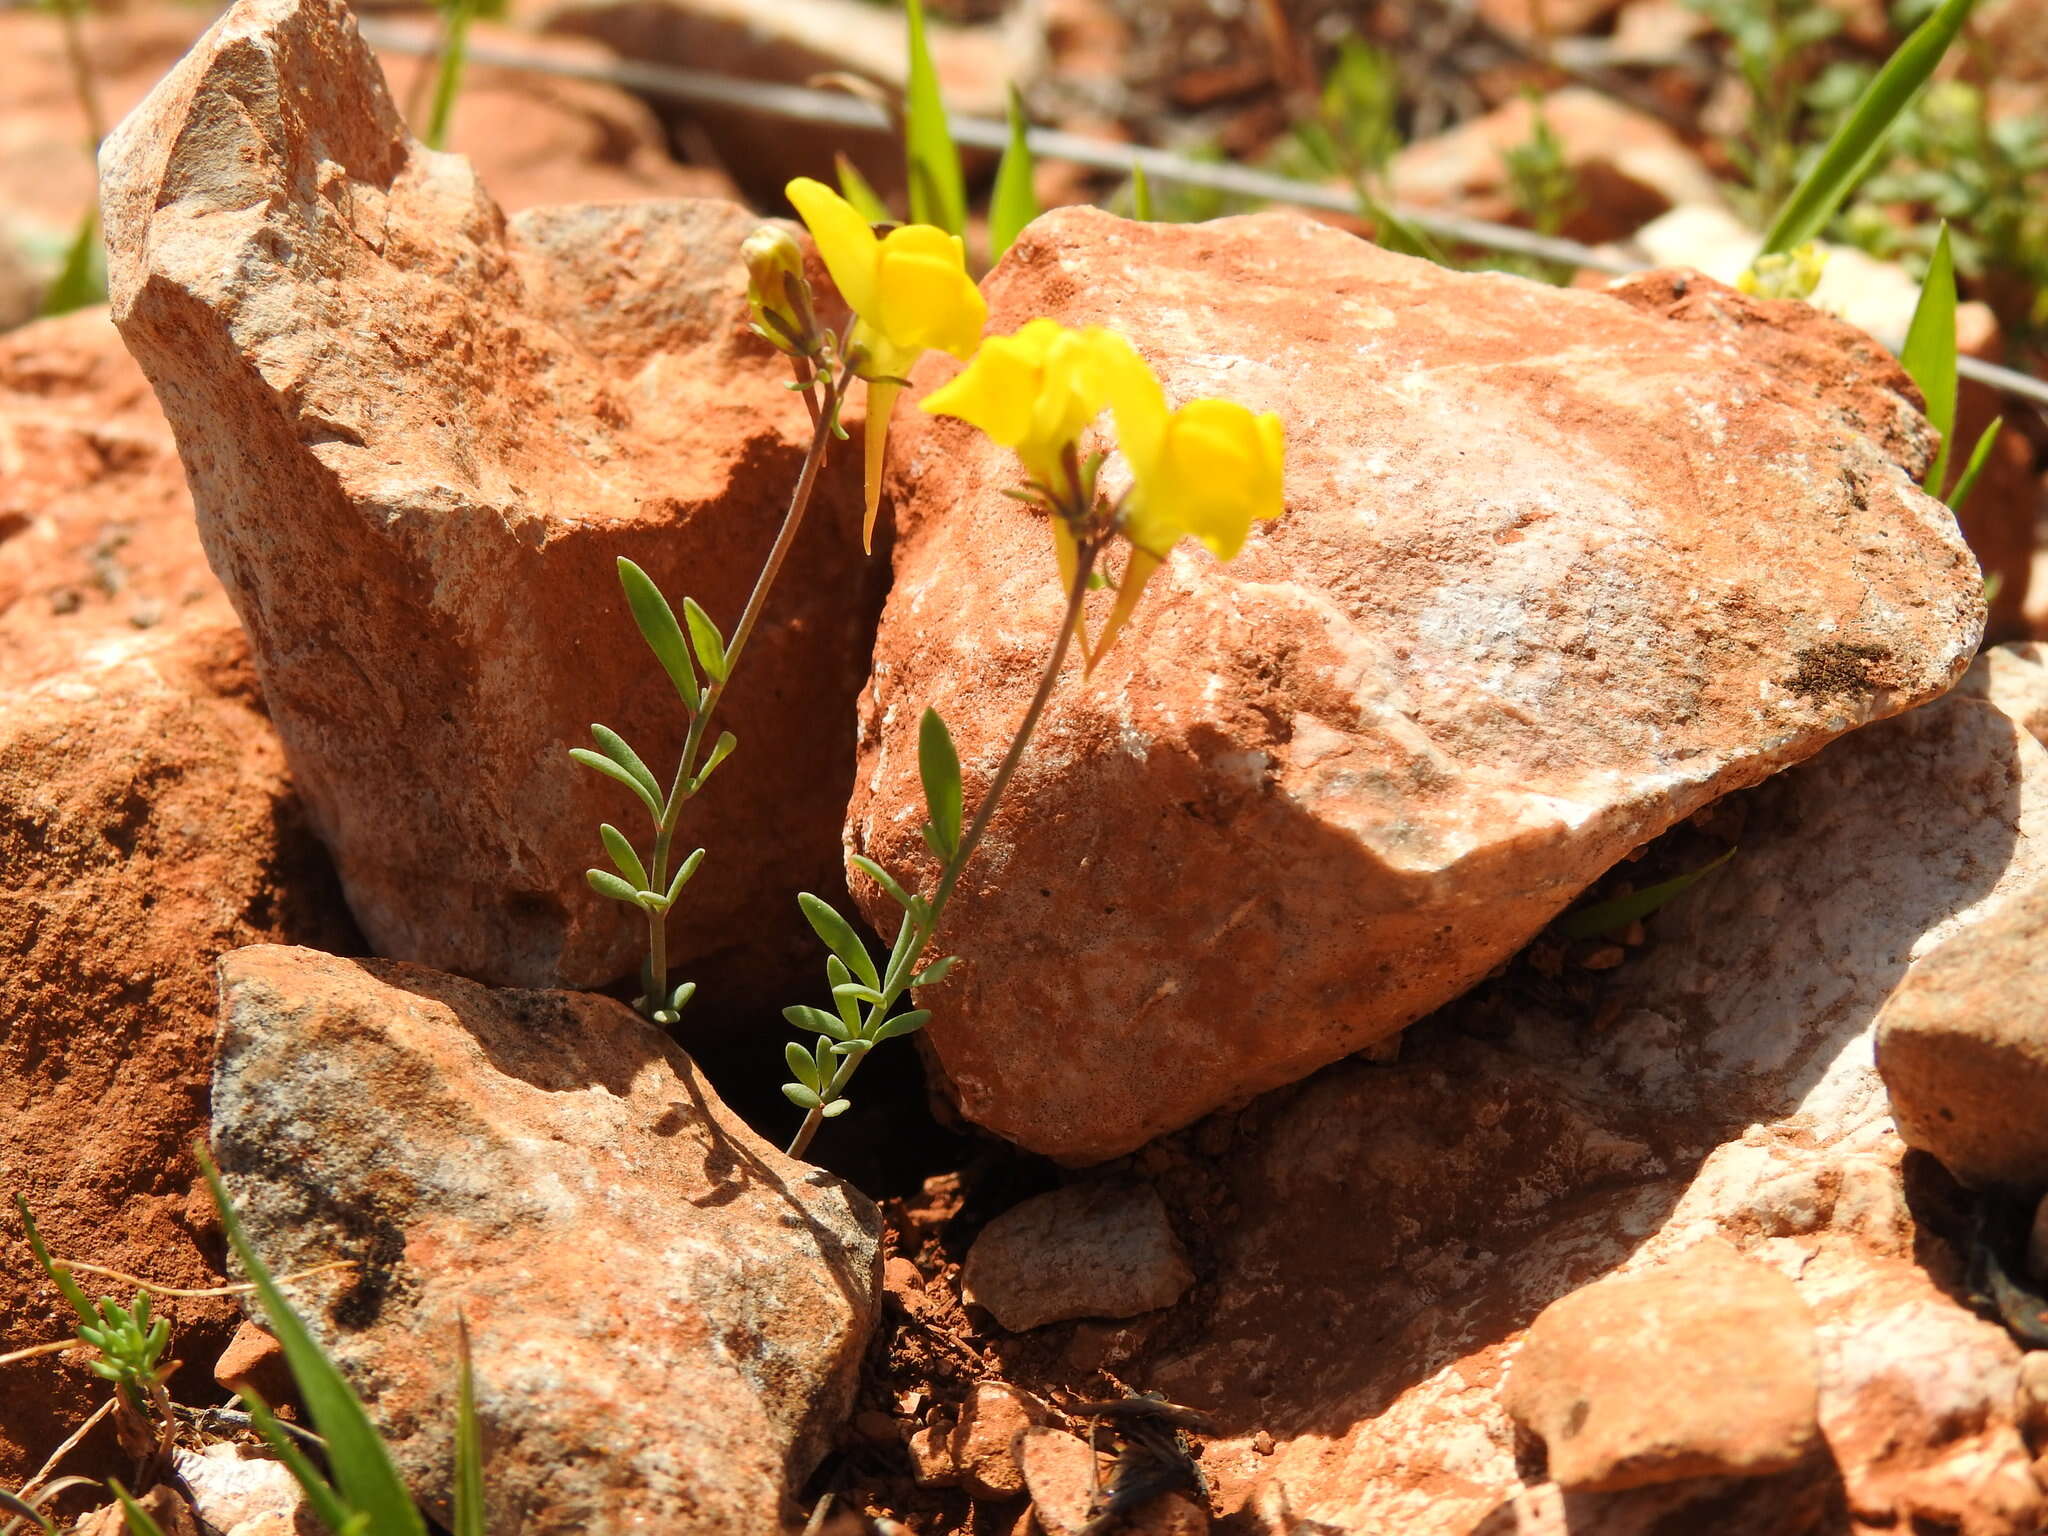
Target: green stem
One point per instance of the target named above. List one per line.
(823, 415)
(923, 932)
(448, 79)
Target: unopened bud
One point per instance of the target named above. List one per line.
(776, 290)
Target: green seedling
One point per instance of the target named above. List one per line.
(1929, 356)
(1354, 134)
(1774, 43)
(1544, 187)
(1014, 202)
(128, 1343)
(938, 188)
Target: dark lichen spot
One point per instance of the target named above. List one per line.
(1835, 666)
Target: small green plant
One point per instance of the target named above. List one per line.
(81, 280)
(1014, 202)
(938, 187)
(1544, 187)
(1929, 356)
(1775, 44)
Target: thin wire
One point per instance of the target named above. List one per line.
(836, 109)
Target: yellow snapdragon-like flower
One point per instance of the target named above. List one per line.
(909, 292)
(1034, 391)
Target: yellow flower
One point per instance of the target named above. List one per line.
(1034, 391)
(909, 292)
(1208, 470)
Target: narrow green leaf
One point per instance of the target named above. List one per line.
(904, 1024)
(82, 281)
(355, 1452)
(816, 1020)
(623, 855)
(934, 973)
(1141, 195)
(938, 190)
(11, 1504)
(679, 999)
(1966, 482)
(320, 1494)
(1619, 911)
(887, 882)
(469, 1441)
(721, 749)
(614, 746)
(840, 938)
(1929, 354)
(456, 16)
(933, 841)
(1853, 150)
(801, 1063)
(837, 1108)
(133, 1515)
(859, 992)
(938, 764)
(658, 627)
(855, 189)
(59, 1277)
(800, 1096)
(837, 976)
(605, 883)
(705, 640)
(684, 874)
(1014, 202)
(612, 770)
(910, 939)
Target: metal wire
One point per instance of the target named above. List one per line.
(835, 109)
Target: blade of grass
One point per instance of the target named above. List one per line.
(133, 1515)
(1853, 150)
(456, 18)
(855, 189)
(469, 1441)
(326, 1504)
(1014, 202)
(1141, 196)
(1619, 911)
(355, 1451)
(1930, 353)
(1966, 482)
(938, 189)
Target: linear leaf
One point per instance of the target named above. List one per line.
(1141, 195)
(456, 16)
(800, 1096)
(1929, 354)
(938, 190)
(721, 749)
(1980, 455)
(705, 640)
(840, 938)
(858, 991)
(82, 281)
(934, 973)
(59, 1276)
(605, 883)
(355, 1451)
(469, 1441)
(904, 1024)
(1853, 150)
(623, 855)
(684, 873)
(1619, 911)
(1014, 202)
(855, 188)
(837, 976)
(816, 1020)
(886, 881)
(801, 1063)
(133, 1515)
(658, 627)
(614, 746)
(612, 770)
(326, 1503)
(938, 764)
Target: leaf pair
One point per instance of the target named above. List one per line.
(634, 889)
(664, 636)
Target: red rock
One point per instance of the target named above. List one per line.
(1084, 1251)
(255, 1359)
(1063, 1475)
(420, 437)
(1704, 1369)
(992, 1418)
(1558, 568)
(1626, 166)
(239, 1493)
(667, 1314)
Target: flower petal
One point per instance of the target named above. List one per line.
(844, 238)
(923, 296)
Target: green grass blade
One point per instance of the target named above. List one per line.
(82, 281)
(22, 1509)
(456, 17)
(1605, 917)
(469, 1441)
(320, 1495)
(1141, 196)
(356, 1453)
(1014, 203)
(61, 1278)
(1930, 352)
(1966, 482)
(855, 189)
(133, 1515)
(1853, 151)
(938, 190)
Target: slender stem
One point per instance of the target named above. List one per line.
(823, 414)
(69, 17)
(923, 933)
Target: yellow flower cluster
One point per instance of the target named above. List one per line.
(1207, 470)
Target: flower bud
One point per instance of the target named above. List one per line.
(776, 290)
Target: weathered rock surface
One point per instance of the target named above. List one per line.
(1557, 569)
(2014, 678)
(1963, 1046)
(1704, 1369)
(147, 826)
(1064, 1475)
(419, 436)
(982, 1445)
(1375, 1242)
(238, 1493)
(668, 1315)
(1625, 166)
(1103, 1250)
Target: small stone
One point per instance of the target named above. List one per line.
(254, 1359)
(1262, 1443)
(237, 1492)
(1963, 1048)
(1062, 1475)
(1707, 1369)
(931, 1455)
(1102, 1250)
(981, 1445)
